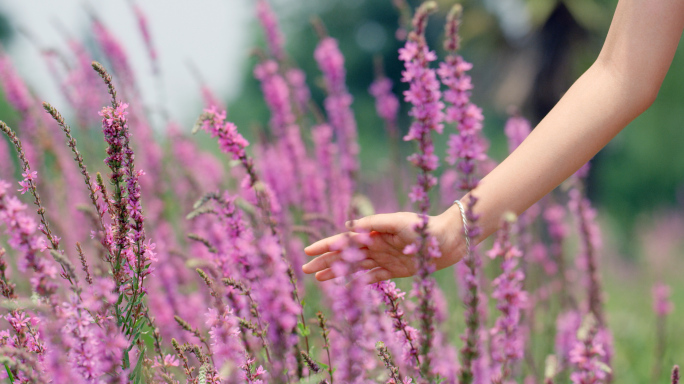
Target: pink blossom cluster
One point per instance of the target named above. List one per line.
(507, 342)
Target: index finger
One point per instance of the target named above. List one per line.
(384, 223)
(329, 244)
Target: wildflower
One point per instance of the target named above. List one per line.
(230, 141)
(507, 343)
(341, 118)
(517, 129)
(587, 355)
(392, 297)
(386, 103)
(15, 90)
(274, 37)
(425, 97)
(113, 51)
(662, 305)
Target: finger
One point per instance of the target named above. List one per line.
(327, 260)
(385, 223)
(328, 273)
(378, 274)
(367, 264)
(322, 262)
(325, 275)
(325, 245)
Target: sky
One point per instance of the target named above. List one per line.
(213, 34)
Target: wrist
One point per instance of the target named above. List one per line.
(449, 225)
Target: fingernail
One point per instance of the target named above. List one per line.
(347, 224)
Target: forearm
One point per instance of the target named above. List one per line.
(588, 116)
(623, 83)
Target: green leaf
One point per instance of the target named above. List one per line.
(126, 359)
(10, 376)
(136, 375)
(302, 329)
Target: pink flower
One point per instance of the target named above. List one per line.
(230, 141)
(268, 21)
(662, 305)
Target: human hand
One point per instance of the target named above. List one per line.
(386, 236)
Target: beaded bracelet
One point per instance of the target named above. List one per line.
(465, 225)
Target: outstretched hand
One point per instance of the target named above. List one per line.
(386, 236)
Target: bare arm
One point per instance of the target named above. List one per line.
(619, 86)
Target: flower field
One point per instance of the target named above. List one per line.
(136, 253)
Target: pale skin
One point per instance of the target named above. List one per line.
(621, 84)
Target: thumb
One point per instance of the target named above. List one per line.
(385, 223)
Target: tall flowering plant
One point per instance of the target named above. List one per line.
(425, 96)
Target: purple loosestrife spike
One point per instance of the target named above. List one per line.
(84, 264)
(341, 117)
(662, 306)
(452, 40)
(507, 343)
(133, 256)
(71, 142)
(554, 216)
(386, 103)
(351, 313)
(387, 107)
(587, 355)
(590, 237)
(15, 90)
(324, 150)
(313, 366)
(231, 142)
(269, 23)
(296, 78)
(386, 357)
(283, 122)
(276, 94)
(144, 27)
(517, 129)
(107, 78)
(115, 131)
(425, 98)
(278, 305)
(392, 296)
(675, 375)
(467, 150)
(113, 51)
(23, 364)
(80, 86)
(567, 324)
(6, 168)
(252, 374)
(28, 184)
(322, 323)
(224, 335)
(96, 344)
(19, 97)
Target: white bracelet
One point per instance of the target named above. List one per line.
(465, 225)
